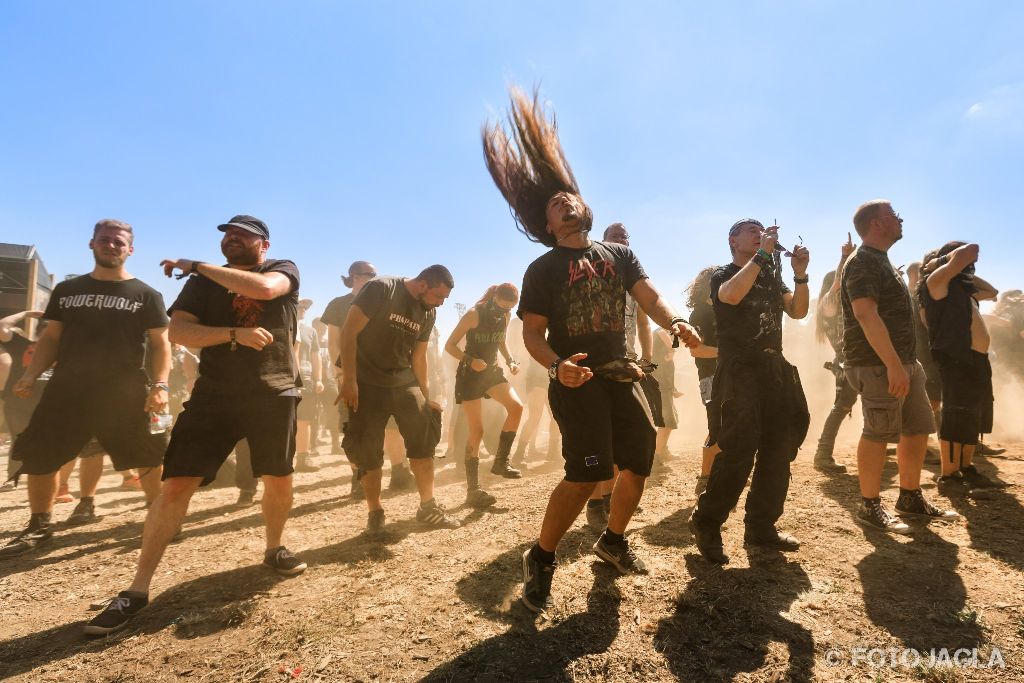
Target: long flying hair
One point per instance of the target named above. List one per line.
(530, 168)
(698, 291)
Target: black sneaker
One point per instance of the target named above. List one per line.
(434, 515)
(874, 516)
(620, 556)
(84, 513)
(245, 499)
(283, 562)
(31, 538)
(478, 498)
(952, 485)
(977, 480)
(537, 576)
(116, 615)
(914, 504)
(597, 517)
(375, 523)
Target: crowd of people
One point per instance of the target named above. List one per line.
(233, 363)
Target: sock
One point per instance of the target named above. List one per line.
(542, 555)
(595, 503)
(613, 538)
(40, 519)
(86, 499)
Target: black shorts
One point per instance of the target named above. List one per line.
(208, 429)
(419, 425)
(603, 423)
(70, 414)
(967, 397)
(471, 385)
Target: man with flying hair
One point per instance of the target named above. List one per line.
(573, 307)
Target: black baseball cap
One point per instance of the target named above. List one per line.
(249, 224)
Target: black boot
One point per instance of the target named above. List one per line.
(475, 496)
(501, 466)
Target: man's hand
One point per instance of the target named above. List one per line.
(572, 375)
(686, 334)
(801, 257)
(253, 337)
(156, 400)
(349, 395)
(23, 387)
(848, 247)
(182, 264)
(319, 387)
(513, 368)
(769, 237)
(477, 365)
(899, 381)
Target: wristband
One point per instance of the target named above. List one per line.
(234, 339)
(802, 280)
(194, 270)
(762, 258)
(159, 385)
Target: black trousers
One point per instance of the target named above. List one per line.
(762, 421)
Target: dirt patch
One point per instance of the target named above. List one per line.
(440, 605)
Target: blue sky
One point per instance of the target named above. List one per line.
(353, 129)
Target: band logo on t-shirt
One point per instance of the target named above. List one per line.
(400, 322)
(99, 301)
(586, 268)
(248, 312)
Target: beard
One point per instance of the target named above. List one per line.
(238, 255)
(108, 261)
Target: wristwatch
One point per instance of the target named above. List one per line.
(553, 369)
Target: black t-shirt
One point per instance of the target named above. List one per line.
(245, 370)
(949, 318)
(103, 327)
(582, 293)
(869, 274)
(309, 351)
(337, 310)
(755, 323)
(703, 320)
(484, 340)
(397, 322)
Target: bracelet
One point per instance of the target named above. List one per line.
(802, 280)
(234, 340)
(673, 321)
(762, 258)
(159, 385)
(194, 270)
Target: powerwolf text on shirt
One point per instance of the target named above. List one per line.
(100, 301)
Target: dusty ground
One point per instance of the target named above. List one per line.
(440, 605)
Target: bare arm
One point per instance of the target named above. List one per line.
(644, 335)
(739, 285)
(986, 292)
(466, 323)
(797, 303)
(8, 325)
(160, 366)
(655, 306)
(865, 309)
(186, 330)
(419, 367)
(354, 324)
(959, 258)
(259, 286)
(704, 351)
